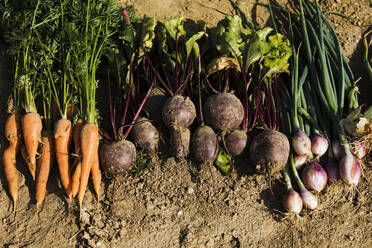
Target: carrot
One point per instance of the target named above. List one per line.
(12, 133)
(13, 129)
(75, 180)
(89, 140)
(31, 127)
(44, 165)
(11, 173)
(62, 139)
(96, 176)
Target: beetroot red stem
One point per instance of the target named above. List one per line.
(209, 84)
(137, 113)
(112, 113)
(128, 96)
(158, 76)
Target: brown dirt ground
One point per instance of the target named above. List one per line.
(184, 204)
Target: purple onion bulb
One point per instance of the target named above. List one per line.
(332, 169)
(314, 176)
(350, 170)
(310, 201)
(301, 143)
(338, 149)
(319, 145)
(292, 201)
(299, 161)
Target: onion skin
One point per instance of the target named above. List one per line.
(309, 200)
(350, 170)
(292, 201)
(360, 149)
(299, 161)
(332, 169)
(314, 176)
(319, 145)
(301, 143)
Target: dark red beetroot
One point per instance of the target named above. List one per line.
(154, 104)
(180, 142)
(236, 141)
(178, 111)
(144, 135)
(270, 149)
(117, 157)
(223, 111)
(205, 144)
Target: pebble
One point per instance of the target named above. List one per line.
(190, 191)
(85, 217)
(179, 213)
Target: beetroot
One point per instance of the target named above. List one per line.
(117, 157)
(180, 142)
(205, 144)
(154, 104)
(178, 111)
(270, 148)
(223, 111)
(236, 141)
(144, 135)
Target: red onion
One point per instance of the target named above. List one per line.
(332, 169)
(310, 201)
(292, 201)
(314, 176)
(338, 149)
(301, 143)
(299, 161)
(350, 170)
(319, 144)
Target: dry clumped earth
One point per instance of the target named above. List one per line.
(185, 204)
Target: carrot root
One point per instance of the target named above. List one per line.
(11, 173)
(75, 181)
(89, 140)
(96, 177)
(31, 127)
(62, 141)
(44, 164)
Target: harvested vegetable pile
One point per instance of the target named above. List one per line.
(222, 93)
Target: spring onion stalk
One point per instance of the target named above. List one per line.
(309, 199)
(292, 201)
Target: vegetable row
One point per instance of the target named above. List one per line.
(91, 74)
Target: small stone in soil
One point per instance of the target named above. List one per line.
(179, 213)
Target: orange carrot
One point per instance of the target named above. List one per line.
(44, 164)
(75, 180)
(31, 127)
(62, 140)
(11, 173)
(12, 133)
(13, 129)
(89, 140)
(96, 176)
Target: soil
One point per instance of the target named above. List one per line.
(185, 204)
